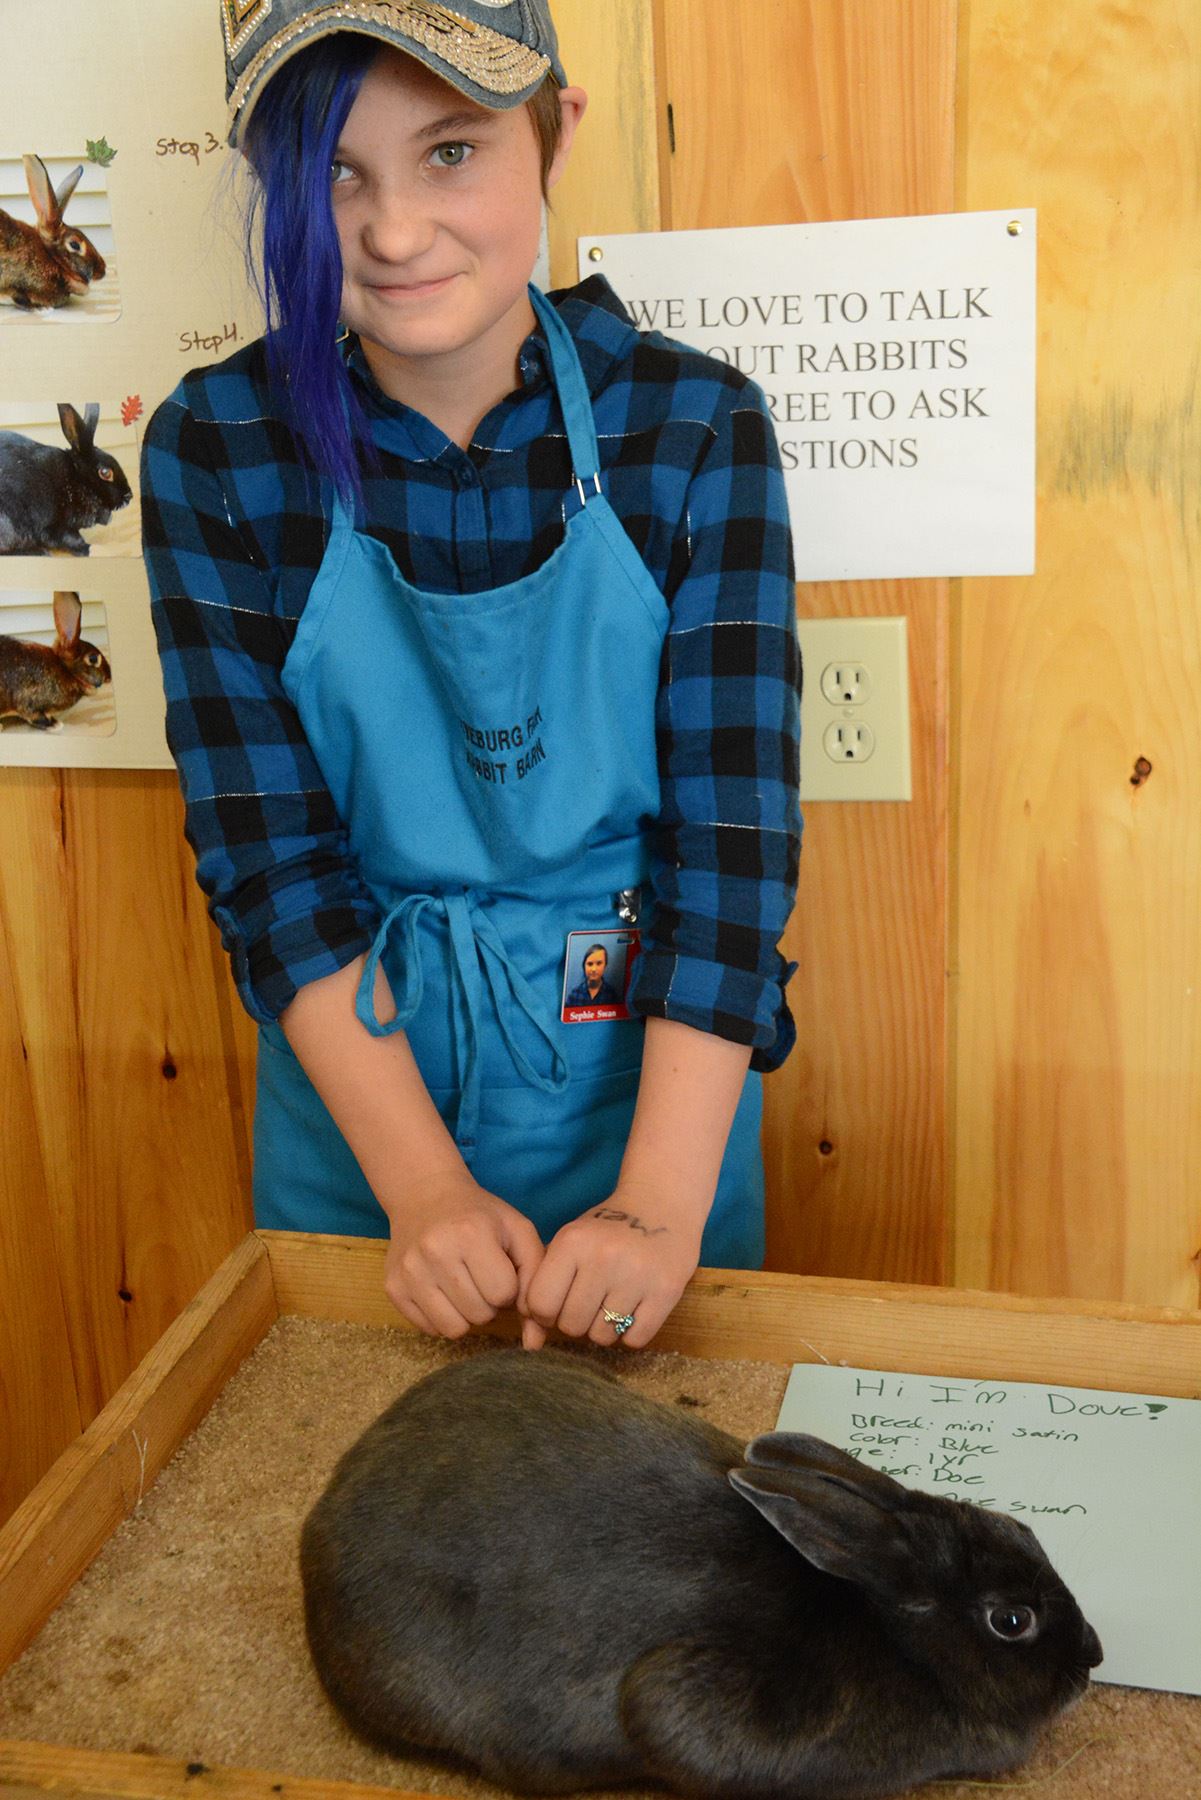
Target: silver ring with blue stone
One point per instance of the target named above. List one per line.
(620, 1322)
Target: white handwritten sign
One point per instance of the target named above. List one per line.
(897, 356)
(1108, 1482)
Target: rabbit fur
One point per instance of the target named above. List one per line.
(48, 496)
(566, 1585)
(45, 264)
(39, 680)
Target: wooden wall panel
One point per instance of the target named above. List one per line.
(785, 111)
(126, 1131)
(789, 110)
(612, 179)
(39, 1411)
(1079, 901)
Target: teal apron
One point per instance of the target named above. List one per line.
(493, 757)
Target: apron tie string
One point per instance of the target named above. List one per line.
(475, 946)
(412, 975)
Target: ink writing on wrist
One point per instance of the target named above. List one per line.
(630, 1219)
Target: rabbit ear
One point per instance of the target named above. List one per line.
(78, 432)
(797, 1450)
(42, 194)
(67, 615)
(66, 187)
(838, 1528)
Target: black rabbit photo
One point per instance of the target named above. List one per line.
(48, 263)
(527, 1566)
(39, 681)
(49, 497)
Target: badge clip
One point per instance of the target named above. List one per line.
(629, 905)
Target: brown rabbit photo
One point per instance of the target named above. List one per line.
(49, 265)
(41, 681)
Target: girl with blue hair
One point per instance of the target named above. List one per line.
(399, 548)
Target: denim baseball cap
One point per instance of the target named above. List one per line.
(497, 52)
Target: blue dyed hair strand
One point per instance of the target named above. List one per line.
(290, 142)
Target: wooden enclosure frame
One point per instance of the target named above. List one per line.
(724, 1314)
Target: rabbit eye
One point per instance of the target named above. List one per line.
(104, 472)
(75, 243)
(1012, 1622)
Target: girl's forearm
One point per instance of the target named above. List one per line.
(687, 1096)
(372, 1086)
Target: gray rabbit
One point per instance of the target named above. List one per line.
(565, 1585)
(47, 496)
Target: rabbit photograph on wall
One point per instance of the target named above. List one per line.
(56, 241)
(64, 490)
(52, 676)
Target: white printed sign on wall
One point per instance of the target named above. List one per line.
(897, 357)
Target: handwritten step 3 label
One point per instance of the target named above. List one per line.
(1109, 1482)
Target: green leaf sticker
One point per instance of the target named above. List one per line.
(100, 151)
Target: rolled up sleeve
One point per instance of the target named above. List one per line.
(271, 853)
(726, 851)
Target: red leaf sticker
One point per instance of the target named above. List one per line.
(131, 408)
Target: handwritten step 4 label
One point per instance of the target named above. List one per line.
(1111, 1484)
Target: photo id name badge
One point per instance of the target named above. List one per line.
(597, 972)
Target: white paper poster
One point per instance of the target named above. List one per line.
(1108, 1482)
(150, 234)
(897, 356)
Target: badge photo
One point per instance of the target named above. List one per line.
(596, 975)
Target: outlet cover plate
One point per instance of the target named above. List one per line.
(880, 647)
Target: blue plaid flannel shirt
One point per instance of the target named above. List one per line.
(235, 530)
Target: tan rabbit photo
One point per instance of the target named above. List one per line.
(38, 681)
(48, 263)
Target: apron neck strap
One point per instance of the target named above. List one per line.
(574, 398)
(575, 402)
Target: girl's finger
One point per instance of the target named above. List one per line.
(649, 1315)
(438, 1279)
(445, 1319)
(603, 1330)
(549, 1286)
(526, 1251)
(408, 1309)
(461, 1287)
(484, 1276)
(532, 1335)
(581, 1307)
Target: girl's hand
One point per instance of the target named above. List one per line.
(457, 1256)
(634, 1255)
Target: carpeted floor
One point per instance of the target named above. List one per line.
(185, 1637)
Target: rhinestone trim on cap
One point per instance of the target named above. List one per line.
(495, 63)
(240, 20)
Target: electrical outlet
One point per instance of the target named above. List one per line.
(847, 742)
(846, 684)
(855, 709)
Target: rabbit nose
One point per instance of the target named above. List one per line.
(1093, 1653)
